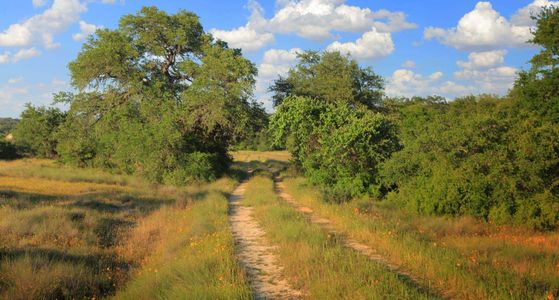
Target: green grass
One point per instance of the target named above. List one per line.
(317, 263)
(69, 233)
(195, 263)
(471, 259)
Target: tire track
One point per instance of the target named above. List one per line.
(359, 247)
(255, 253)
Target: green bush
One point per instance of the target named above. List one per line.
(337, 145)
(476, 156)
(8, 150)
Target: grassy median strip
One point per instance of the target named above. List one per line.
(316, 262)
(470, 259)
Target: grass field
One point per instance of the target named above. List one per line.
(469, 258)
(69, 233)
(316, 261)
(82, 233)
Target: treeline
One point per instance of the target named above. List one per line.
(495, 158)
(157, 97)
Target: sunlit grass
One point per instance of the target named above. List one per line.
(472, 259)
(314, 261)
(261, 156)
(69, 233)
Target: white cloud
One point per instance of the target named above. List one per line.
(372, 44)
(312, 19)
(408, 64)
(249, 37)
(486, 71)
(25, 53)
(13, 96)
(523, 16)
(316, 19)
(277, 62)
(39, 3)
(4, 58)
(244, 37)
(482, 28)
(85, 30)
(407, 83)
(496, 80)
(41, 28)
(483, 60)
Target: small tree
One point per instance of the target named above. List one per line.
(35, 134)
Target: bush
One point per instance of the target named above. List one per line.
(476, 156)
(35, 133)
(337, 145)
(8, 150)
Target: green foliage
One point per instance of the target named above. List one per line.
(476, 156)
(338, 146)
(331, 77)
(8, 150)
(6, 126)
(157, 97)
(35, 134)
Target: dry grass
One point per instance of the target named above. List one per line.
(317, 262)
(472, 259)
(77, 233)
(263, 156)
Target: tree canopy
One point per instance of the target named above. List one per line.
(157, 96)
(330, 77)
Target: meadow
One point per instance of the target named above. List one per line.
(69, 233)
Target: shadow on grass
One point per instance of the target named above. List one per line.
(106, 269)
(105, 202)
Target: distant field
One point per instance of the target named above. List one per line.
(81, 233)
(261, 156)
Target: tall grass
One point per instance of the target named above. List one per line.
(316, 262)
(68, 233)
(471, 259)
(192, 256)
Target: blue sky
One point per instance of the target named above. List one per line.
(450, 48)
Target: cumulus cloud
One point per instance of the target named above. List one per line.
(484, 28)
(372, 44)
(251, 36)
(486, 70)
(275, 62)
(482, 60)
(15, 80)
(22, 54)
(316, 19)
(407, 83)
(85, 30)
(41, 28)
(311, 19)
